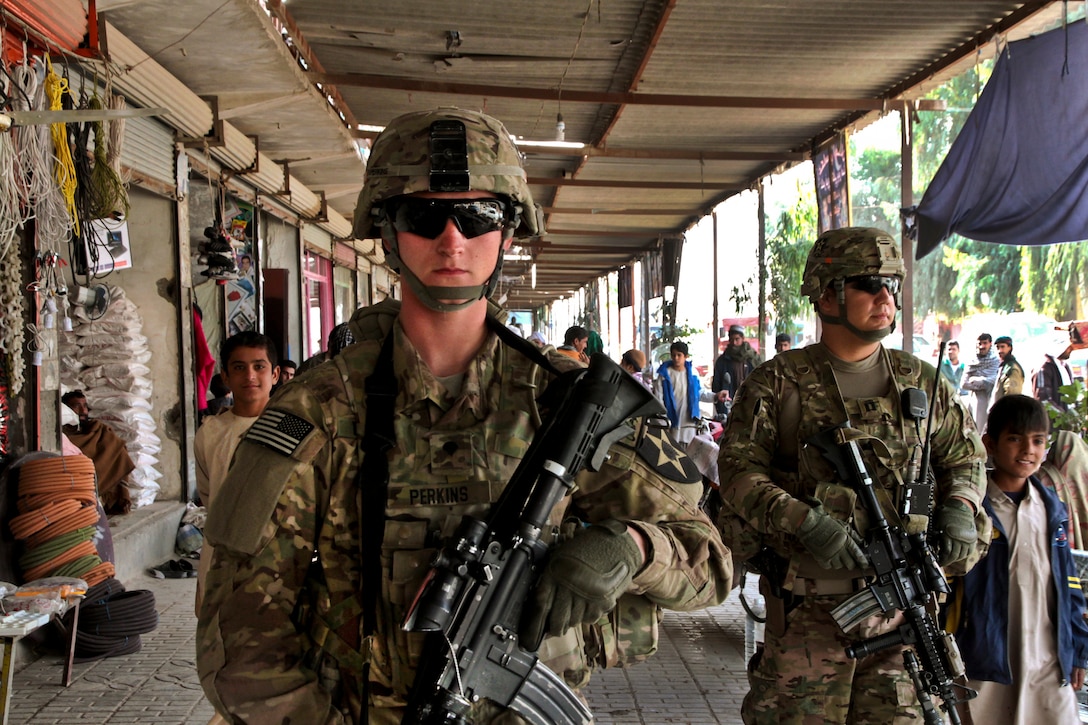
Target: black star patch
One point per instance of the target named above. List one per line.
(280, 431)
(666, 459)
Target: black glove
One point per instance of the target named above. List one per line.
(955, 525)
(834, 544)
(581, 581)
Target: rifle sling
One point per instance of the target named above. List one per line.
(372, 478)
(519, 343)
(379, 438)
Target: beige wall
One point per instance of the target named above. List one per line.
(281, 250)
(153, 285)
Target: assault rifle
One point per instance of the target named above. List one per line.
(907, 578)
(471, 602)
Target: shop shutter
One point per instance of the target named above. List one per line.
(62, 22)
(148, 149)
(344, 255)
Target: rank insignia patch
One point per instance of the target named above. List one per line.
(279, 431)
(665, 458)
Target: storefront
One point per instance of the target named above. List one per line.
(201, 224)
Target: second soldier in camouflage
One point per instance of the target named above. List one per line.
(785, 507)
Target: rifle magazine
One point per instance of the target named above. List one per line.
(856, 609)
(544, 699)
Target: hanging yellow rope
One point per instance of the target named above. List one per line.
(64, 170)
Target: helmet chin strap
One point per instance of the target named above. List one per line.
(432, 295)
(842, 319)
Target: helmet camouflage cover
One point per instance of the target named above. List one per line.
(850, 252)
(401, 163)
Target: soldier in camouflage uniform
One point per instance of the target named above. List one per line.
(785, 507)
(314, 571)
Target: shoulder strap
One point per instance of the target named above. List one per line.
(520, 344)
(372, 477)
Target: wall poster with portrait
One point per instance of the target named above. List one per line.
(241, 293)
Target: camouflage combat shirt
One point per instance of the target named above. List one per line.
(776, 476)
(291, 493)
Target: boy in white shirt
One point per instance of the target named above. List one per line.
(249, 370)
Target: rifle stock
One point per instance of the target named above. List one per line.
(907, 578)
(470, 605)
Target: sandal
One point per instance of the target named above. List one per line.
(173, 569)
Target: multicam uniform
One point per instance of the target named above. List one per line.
(803, 674)
(280, 635)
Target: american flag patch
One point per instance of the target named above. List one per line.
(279, 431)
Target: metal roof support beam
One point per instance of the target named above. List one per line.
(653, 154)
(367, 80)
(633, 234)
(616, 184)
(619, 212)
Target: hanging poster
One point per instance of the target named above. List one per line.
(241, 293)
(832, 195)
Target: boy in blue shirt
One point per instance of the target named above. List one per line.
(1018, 616)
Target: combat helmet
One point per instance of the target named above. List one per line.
(445, 149)
(851, 252)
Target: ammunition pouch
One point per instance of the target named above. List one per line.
(625, 636)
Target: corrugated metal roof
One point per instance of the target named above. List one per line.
(740, 88)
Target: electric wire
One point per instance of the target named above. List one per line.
(64, 171)
(35, 150)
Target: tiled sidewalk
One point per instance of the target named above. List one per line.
(157, 685)
(696, 677)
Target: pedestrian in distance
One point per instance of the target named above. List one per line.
(1010, 375)
(342, 490)
(951, 366)
(634, 362)
(731, 368)
(782, 342)
(979, 378)
(677, 386)
(783, 502)
(575, 341)
(287, 370)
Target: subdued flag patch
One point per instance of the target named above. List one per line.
(279, 431)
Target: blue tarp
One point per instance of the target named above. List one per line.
(1018, 171)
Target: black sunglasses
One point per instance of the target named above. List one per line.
(873, 283)
(427, 217)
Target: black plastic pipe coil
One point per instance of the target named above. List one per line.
(111, 621)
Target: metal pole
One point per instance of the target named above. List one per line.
(716, 320)
(761, 212)
(906, 126)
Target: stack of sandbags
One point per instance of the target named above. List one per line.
(58, 513)
(107, 358)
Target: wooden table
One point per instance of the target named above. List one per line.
(19, 624)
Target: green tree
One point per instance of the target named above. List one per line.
(787, 249)
(875, 180)
(1055, 276)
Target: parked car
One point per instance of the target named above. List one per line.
(924, 349)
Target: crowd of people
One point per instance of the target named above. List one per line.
(328, 498)
(993, 375)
